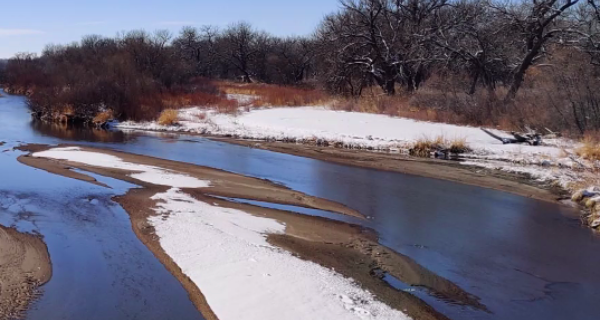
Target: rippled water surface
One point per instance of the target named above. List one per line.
(525, 259)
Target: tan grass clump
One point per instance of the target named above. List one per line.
(459, 145)
(590, 149)
(276, 96)
(103, 117)
(424, 146)
(168, 117)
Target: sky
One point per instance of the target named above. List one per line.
(28, 25)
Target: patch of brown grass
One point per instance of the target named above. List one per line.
(273, 95)
(458, 145)
(424, 146)
(204, 99)
(590, 148)
(103, 117)
(168, 117)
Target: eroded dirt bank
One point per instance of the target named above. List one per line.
(352, 250)
(24, 266)
(425, 167)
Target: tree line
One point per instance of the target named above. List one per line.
(469, 48)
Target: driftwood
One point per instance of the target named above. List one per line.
(531, 137)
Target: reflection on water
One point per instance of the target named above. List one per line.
(525, 259)
(71, 132)
(101, 270)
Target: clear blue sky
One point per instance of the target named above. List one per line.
(28, 25)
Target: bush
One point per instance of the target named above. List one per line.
(590, 149)
(424, 146)
(103, 117)
(168, 117)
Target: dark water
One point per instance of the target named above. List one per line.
(525, 259)
(100, 269)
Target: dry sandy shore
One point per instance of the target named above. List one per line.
(352, 250)
(425, 167)
(24, 266)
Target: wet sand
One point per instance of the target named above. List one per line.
(431, 168)
(352, 250)
(24, 266)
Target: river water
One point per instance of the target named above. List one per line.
(525, 259)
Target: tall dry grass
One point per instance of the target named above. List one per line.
(590, 147)
(273, 95)
(425, 145)
(103, 117)
(168, 117)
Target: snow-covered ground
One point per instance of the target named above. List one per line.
(352, 129)
(225, 253)
(553, 162)
(150, 174)
(243, 277)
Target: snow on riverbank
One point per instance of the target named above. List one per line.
(150, 174)
(351, 129)
(555, 162)
(225, 253)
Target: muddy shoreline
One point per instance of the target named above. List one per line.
(24, 267)
(351, 250)
(449, 170)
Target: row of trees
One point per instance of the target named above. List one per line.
(391, 44)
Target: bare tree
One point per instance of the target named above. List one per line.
(387, 40)
(238, 45)
(589, 35)
(474, 40)
(537, 22)
(296, 56)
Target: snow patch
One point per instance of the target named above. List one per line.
(150, 174)
(554, 162)
(225, 253)
(350, 129)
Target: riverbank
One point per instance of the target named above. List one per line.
(556, 165)
(511, 182)
(188, 229)
(24, 266)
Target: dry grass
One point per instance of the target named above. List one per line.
(168, 117)
(458, 145)
(68, 110)
(103, 117)
(178, 100)
(272, 95)
(424, 146)
(402, 105)
(590, 148)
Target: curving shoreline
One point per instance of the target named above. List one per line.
(510, 182)
(326, 242)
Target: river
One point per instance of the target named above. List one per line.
(524, 258)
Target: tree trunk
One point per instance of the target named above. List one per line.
(474, 84)
(390, 87)
(246, 78)
(519, 76)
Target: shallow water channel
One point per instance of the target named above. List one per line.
(524, 259)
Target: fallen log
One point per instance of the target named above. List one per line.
(531, 138)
